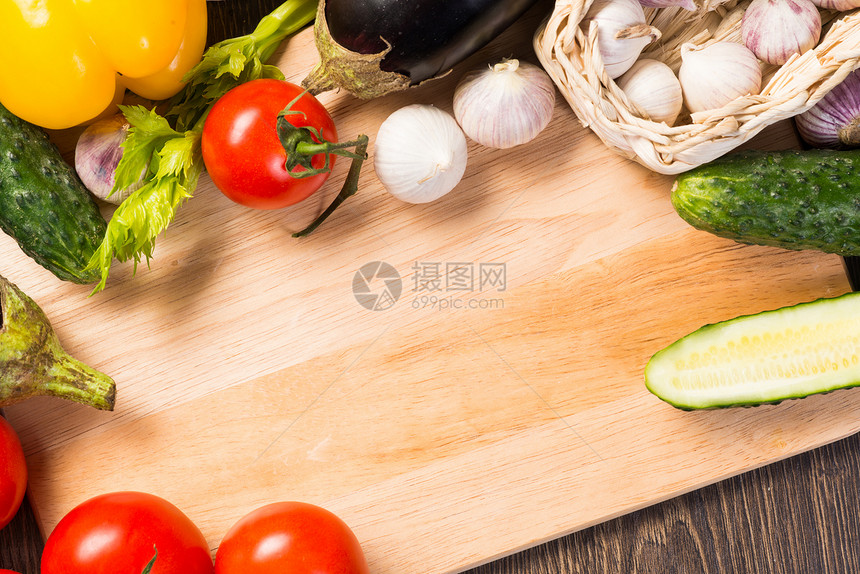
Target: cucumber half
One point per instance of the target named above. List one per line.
(769, 357)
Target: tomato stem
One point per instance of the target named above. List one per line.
(148, 568)
(350, 185)
(302, 144)
(312, 149)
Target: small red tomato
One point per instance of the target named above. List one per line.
(293, 537)
(241, 149)
(13, 473)
(8, 572)
(121, 532)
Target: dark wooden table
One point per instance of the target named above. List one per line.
(800, 515)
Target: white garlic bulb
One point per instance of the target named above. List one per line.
(651, 86)
(420, 153)
(716, 74)
(775, 30)
(505, 105)
(622, 33)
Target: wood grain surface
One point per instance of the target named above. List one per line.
(794, 516)
(512, 460)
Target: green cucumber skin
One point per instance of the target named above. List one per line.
(703, 332)
(753, 404)
(790, 199)
(43, 204)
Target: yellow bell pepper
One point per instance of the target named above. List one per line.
(67, 61)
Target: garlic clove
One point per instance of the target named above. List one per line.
(714, 75)
(622, 33)
(97, 154)
(420, 153)
(651, 86)
(505, 105)
(776, 30)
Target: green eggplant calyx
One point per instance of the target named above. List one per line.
(34, 363)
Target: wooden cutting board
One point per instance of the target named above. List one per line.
(497, 403)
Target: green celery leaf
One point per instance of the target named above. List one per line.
(236, 61)
(168, 155)
(174, 171)
(148, 132)
(177, 155)
(225, 66)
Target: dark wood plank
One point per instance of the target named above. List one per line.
(21, 542)
(799, 515)
(231, 18)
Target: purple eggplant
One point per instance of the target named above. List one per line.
(373, 47)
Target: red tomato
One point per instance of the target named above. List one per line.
(241, 149)
(293, 537)
(13, 473)
(119, 532)
(8, 572)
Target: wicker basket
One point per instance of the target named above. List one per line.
(570, 56)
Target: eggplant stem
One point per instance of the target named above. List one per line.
(33, 362)
(339, 67)
(73, 380)
(318, 81)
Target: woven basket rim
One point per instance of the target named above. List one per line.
(570, 56)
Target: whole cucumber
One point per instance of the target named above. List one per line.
(791, 199)
(43, 204)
